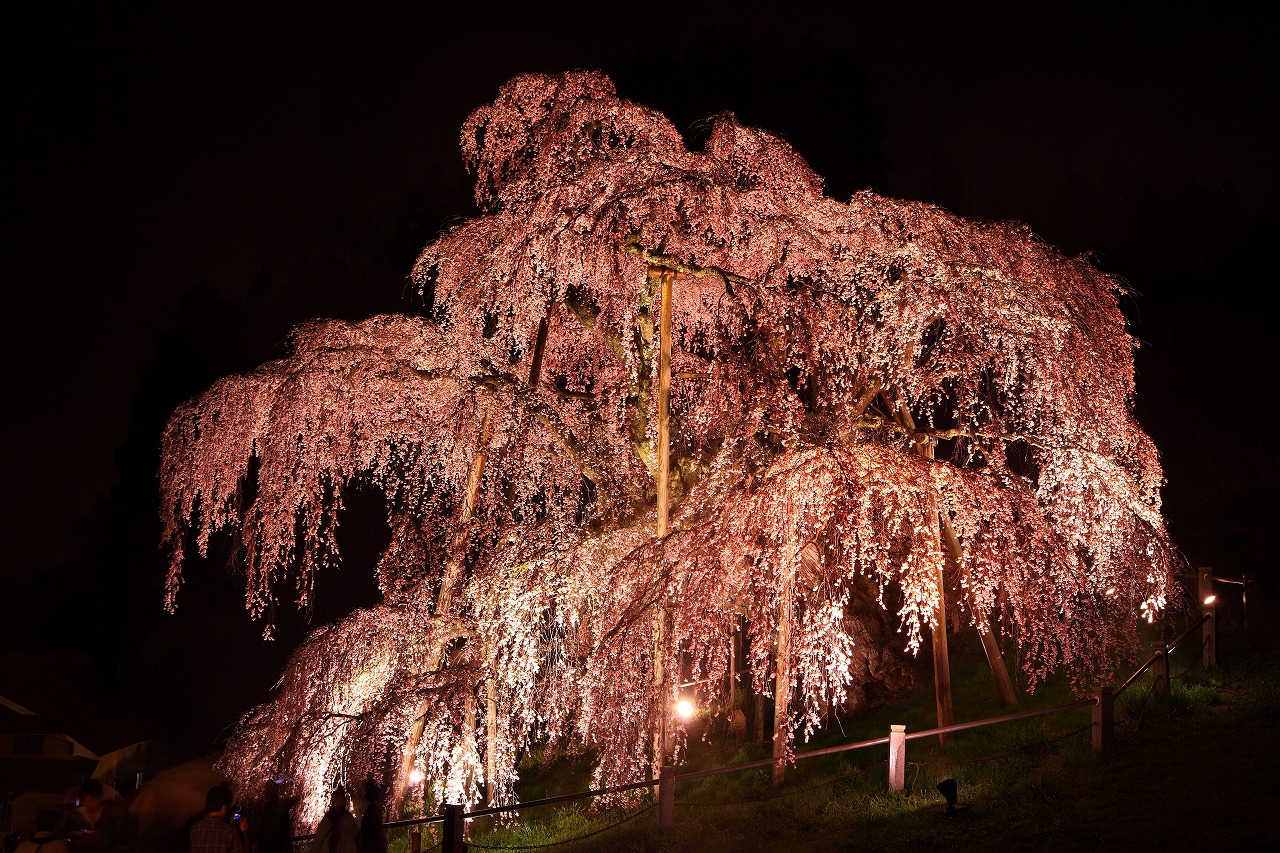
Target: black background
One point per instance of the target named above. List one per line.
(188, 182)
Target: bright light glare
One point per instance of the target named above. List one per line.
(1111, 590)
(1210, 599)
(416, 776)
(684, 708)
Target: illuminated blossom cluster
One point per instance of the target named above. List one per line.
(845, 372)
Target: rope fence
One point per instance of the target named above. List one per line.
(591, 834)
(790, 793)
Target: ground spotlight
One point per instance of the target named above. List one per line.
(950, 791)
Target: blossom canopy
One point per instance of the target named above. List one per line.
(847, 377)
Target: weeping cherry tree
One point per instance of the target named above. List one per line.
(664, 397)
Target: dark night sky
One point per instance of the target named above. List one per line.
(185, 185)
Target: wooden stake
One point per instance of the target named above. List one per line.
(897, 758)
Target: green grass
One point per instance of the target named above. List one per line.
(1188, 772)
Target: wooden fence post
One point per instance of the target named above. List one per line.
(453, 825)
(666, 797)
(1103, 718)
(415, 840)
(897, 757)
(1160, 670)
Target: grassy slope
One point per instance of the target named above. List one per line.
(1190, 773)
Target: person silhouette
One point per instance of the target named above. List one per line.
(373, 834)
(337, 830)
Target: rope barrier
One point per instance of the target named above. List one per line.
(1136, 718)
(1194, 662)
(1026, 747)
(614, 825)
(757, 800)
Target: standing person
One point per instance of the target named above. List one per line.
(373, 835)
(273, 820)
(219, 831)
(337, 830)
(45, 839)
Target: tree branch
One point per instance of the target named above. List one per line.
(632, 247)
(936, 435)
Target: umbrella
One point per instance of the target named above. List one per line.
(172, 797)
(71, 796)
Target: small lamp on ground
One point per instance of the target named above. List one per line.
(950, 791)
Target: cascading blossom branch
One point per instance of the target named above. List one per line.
(866, 396)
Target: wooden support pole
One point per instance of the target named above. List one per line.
(995, 660)
(941, 664)
(453, 829)
(491, 741)
(415, 840)
(663, 475)
(1103, 719)
(666, 797)
(664, 403)
(659, 757)
(897, 758)
(757, 712)
(941, 661)
(1160, 670)
(733, 668)
(782, 683)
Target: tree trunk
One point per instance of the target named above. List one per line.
(444, 603)
(941, 662)
(989, 645)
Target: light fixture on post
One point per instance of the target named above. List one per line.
(685, 707)
(1209, 616)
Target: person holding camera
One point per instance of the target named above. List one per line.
(219, 831)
